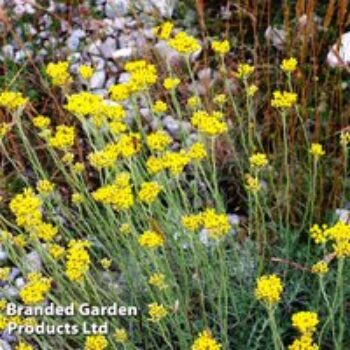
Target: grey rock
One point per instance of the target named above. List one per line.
(119, 23)
(4, 345)
(124, 77)
(9, 292)
(8, 51)
(32, 261)
(165, 7)
(94, 48)
(74, 39)
(233, 219)
(111, 81)
(3, 256)
(123, 53)
(15, 272)
(172, 125)
(108, 47)
(97, 80)
(20, 282)
(277, 37)
(117, 8)
(167, 53)
(98, 62)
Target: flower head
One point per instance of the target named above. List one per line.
(149, 192)
(244, 70)
(269, 289)
(317, 150)
(184, 43)
(86, 71)
(12, 100)
(120, 335)
(305, 321)
(151, 239)
(41, 122)
(289, 65)
(220, 47)
(156, 312)
(206, 341)
(258, 160)
(164, 30)
(58, 72)
(96, 342)
(320, 268)
(284, 99)
(171, 83)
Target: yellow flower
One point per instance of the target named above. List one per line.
(283, 99)
(206, 341)
(78, 260)
(184, 43)
(197, 151)
(289, 65)
(59, 73)
(129, 145)
(252, 183)
(41, 122)
(96, 342)
(84, 103)
(3, 303)
(23, 346)
(117, 127)
(159, 107)
(105, 158)
(155, 165)
(338, 232)
(269, 289)
(45, 187)
(317, 150)
(12, 100)
(106, 263)
(164, 30)
(27, 208)
(125, 228)
(158, 141)
(68, 158)
(193, 102)
(171, 83)
(176, 162)
(305, 342)
(342, 249)
(192, 222)
(220, 47)
(56, 251)
(207, 124)
(158, 280)
(151, 239)
(320, 268)
(35, 290)
(4, 129)
(252, 89)
(344, 138)
(149, 192)
(4, 273)
(258, 160)
(86, 71)
(318, 234)
(216, 224)
(77, 198)
(63, 138)
(156, 312)
(45, 231)
(120, 335)
(305, 321)
(120, 92)
(220, 99)
(78, 167)
(244, 70)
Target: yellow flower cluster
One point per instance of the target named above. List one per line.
(96, 342)
(59, 73)
(23, 346)
(206, 341)
(283, 99)
(215, 223)
(269, 289)
(149, 192)
(318, 234)
(35, 290)
(209, 124)
(41, 122)
(340, 235)
(344, 138)
(4, 273)
(184, 43)
(119, 194)
(320, 268)
(317, 150)
(63, 138)
(258, 160)
(12, 100)
(156, 312)
(244, 70)
(158, 280)
(4, 129)
(252, 89)
(45, 187)
(163, 31)
(220, 99)
(86, 71)
(289, 65)
(56, 251)
(171, 83)
(252, 183)
(159, 107)
(193, 102)
(197, 151)
(142, 75)
(120, 335)
(158, 141)
(106, 263)
(83, 104)
(78, 260)
(220, 47)
(26, 207)
(304, 342)
(151, 239)
(305, 322)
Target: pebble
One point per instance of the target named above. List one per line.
(32, 261)
(4, 345)
(340, 54)
(123, 53)
(97, 80)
